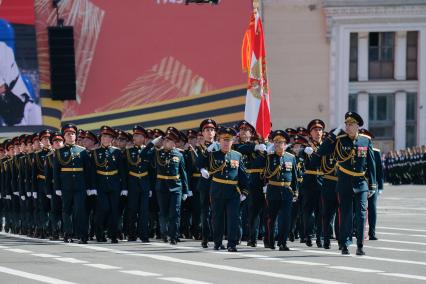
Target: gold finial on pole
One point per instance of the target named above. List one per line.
(256, 4)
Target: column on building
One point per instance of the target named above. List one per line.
(400, 119)
(362, 103)
(421, 98)
(400, 55)
(363, 56)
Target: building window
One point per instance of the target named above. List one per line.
(381, 115)
(353, 102)
(353, 57)
(412, 55)
(381, 55)
(411, 133)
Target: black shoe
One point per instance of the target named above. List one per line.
(284, 248)
(326, 246)
(373, 238)
(82, 242)
(131, 239)
(204, 244)
(340, 247)
(68, 240)
(232, 249)
(345, 251)
(272, 247)
(360, 251)
(252, 244)
(309, 242)
(164, 238)
(144, 241)
(101, 240)
(302, 240)
(173, 242)
(319, 244)
(114, 241)
(219, 247)
(291, 237)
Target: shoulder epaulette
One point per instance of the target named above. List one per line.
(80, 147)
(341, 136)
(363, 135)
(290, 154)
(236, 152)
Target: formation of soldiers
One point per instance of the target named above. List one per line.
(406, 166)
(209, 184)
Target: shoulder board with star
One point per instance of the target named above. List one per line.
(81, 148)
(341, 136)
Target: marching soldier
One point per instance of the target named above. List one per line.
(55, 214)
(226, 169)
(208, 131)
(39, 184)
(71, 176)
(312, 183)
(7, 193)
(109, 183)
(329, 198)
(356, 172)
(372, 200)
(282, 190)
(140, 180)
(171, 183)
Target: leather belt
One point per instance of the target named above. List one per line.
(280, 183)
(110, 173)
(224, 181)
(351, 173)
(41, 177)
(317, 173)
(254, 171)
(71, 169)
(144, 174)
(168, 177)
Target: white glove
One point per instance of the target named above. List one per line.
(150, 194)
(124, 193)
(29, 194)
(49, 196)
(308, 150)
(260, 147)
(23, 197)
(242, 197)
(190, 193)
(338, 129)
(88, 192)
(157, 140)
(212, 146)
(58, 193)
(204, 173)
(380, 192)
(35, 195)
(16, 193)
(94, 192)
(184, 196)
(265, 188)
(271, 149)
(8, 197)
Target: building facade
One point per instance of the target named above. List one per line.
(367, 56)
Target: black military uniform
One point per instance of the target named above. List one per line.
(71, 176)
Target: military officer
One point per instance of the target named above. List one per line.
(312, 183)
(109, 181)
(39, 184)
(208, 131)
(356, 173)
(171, 183)
(55, 214)
(71, 175)
(282, 189)
(372, 200)
(228, 176)
(140, 180)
